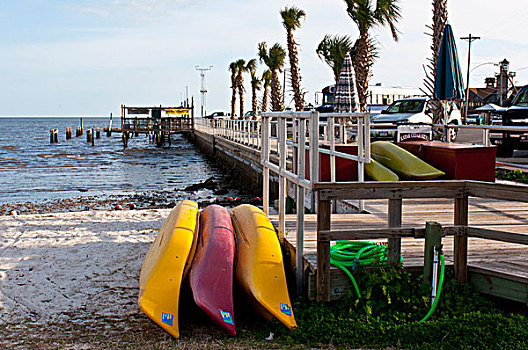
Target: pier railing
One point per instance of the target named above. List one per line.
(395, 192)
(292, 145)
(296, 137)
(487, 130)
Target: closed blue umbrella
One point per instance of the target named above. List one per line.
(448, 79)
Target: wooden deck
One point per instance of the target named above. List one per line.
(507, 260)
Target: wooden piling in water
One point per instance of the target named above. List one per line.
(54, 135)
(68, 133)
(109, 131)
(98, 133)
(89, 136)
(125, 137)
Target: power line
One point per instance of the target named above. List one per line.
(469, 39)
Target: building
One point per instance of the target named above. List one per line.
(379, 95)
(498, 90)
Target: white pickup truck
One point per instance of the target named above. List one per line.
(409, 111)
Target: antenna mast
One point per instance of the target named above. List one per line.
(203, 90)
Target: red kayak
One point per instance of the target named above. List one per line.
(211, 275)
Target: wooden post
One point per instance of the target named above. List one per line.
(68, 133)
(460, 240)
(323, 250)
(136, 134)
(433, 237)
(301, 162)
(89, 136)
(92, 136)
(52, 135)
(98, 133)
(395, 220)
(82, 126)
(109, 132)
(125, 138)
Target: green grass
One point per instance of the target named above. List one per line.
(463, 319)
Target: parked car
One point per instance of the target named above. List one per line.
(515, 115)
(217, 115)
(414, 110)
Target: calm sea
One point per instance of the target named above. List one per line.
(32, 169)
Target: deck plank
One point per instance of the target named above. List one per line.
(505, 258)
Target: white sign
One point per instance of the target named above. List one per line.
(414, 132)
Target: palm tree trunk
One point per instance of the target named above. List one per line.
(254, 103)
(233, 102)
(439, 22)
(241, 97)
(275, 91)
(295, 71)
(362, 66)
(264, 106)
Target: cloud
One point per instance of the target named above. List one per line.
(93, 11)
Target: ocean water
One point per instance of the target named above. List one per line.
(33, 170)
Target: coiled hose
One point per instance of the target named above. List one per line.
(350, 254)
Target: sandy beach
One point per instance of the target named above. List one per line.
(66, 271)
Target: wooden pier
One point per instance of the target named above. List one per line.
(158, 123)
(482, 226)
(485, 232)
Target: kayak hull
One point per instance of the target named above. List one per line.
(403, 163)
(377, 171)
(259, 265)
(166, 264)
(211, 274)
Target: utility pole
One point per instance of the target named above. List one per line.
(469, 39)
(203, 90)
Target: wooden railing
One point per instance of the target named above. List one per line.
(151, 125)
(394, 192)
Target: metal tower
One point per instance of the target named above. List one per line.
(203, 90)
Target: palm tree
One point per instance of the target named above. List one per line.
(255, 85)
(274, 59)
(291, 19)
(366, 17)
(266, 83)
(439, 22)
(333, 49)
(234, 71)
(241, 68)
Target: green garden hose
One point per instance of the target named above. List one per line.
(349, 254)
(438, 290)
(345, 254)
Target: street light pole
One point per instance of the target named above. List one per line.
(469, 39)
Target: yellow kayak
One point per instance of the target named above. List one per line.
(405, 164)
(259, 267)
(166, 264)
(377, 171)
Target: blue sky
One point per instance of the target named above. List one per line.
(88, 57)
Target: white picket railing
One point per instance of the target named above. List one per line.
(305, 143)
(296, 137)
